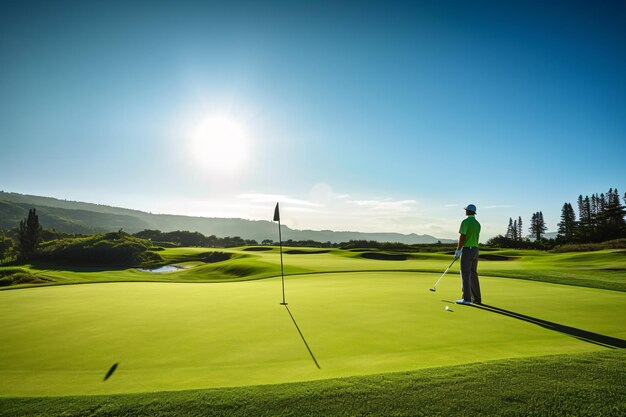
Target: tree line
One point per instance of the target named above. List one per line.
(600, 219)
(187, 238)
(30, 241)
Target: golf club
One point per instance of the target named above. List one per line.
(434, 289)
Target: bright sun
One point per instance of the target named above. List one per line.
(219, 144)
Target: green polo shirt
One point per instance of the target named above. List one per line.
(471, 229)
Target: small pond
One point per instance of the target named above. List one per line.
(161, 269)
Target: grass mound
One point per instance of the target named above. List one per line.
(238, 271)
(214, 257)
(257, 249)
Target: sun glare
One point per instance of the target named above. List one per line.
(219, 145)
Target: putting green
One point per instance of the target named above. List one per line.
(62, 340)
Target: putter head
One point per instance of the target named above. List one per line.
(432, 289)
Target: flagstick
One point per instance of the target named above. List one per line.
(282, 273)
(280, 240)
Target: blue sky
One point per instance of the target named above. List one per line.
(371, 116)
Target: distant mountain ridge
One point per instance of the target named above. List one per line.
(81, 217)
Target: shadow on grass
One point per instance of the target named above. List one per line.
(306, 252)
(303, 339)
(76, 268)
(379, 256)
(590, 337)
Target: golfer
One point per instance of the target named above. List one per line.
(467, 250)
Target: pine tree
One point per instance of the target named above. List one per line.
(580, 206)
(542, 225)
(586, 221)
(567, 225)
(612, 224)
(537, 225)
(28, 235)
(602, 203)
(533, 222)
(589, 215)
(601, 217)
(509, 229)
(520, 233)
(514, 230)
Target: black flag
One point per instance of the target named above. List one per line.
(276, 214)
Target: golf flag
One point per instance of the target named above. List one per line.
(280, 242)
(276, 214)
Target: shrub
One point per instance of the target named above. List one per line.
(14, 276)
(505, 242)
(115, 249)
(589, 247)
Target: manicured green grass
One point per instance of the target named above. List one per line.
(590, 384)
(61, 340)
(371, 322)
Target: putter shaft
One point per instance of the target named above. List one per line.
(434, 289)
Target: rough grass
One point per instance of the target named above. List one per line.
(590, 384)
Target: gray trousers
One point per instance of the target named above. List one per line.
(469, 275)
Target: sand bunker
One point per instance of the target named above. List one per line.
(385, 256)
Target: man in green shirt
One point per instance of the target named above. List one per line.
(467, 250)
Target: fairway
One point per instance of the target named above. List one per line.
(602, 269)
(62, 340)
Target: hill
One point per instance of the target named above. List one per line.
(81, 217)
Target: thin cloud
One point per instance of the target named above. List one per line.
(304, 210)
(385, 205)
(272, 198)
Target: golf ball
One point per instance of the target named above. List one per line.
(447, 308)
